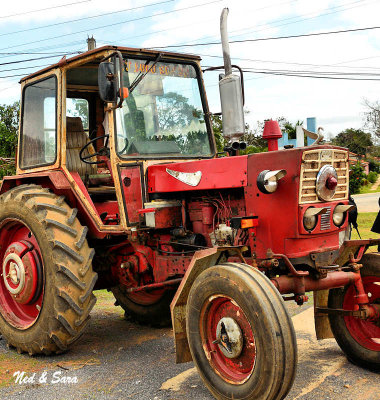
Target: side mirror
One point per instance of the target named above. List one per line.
(110, 79)
(107, 82)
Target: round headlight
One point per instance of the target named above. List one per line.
(327, 181)
(338, 216)
(309, 222)
(267, 181)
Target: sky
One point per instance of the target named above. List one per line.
(41, 32)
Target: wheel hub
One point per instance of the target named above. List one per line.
(21, 272)
(229, 337)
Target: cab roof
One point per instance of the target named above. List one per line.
(100, 50)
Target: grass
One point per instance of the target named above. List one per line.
(365, 222)
(367, 189)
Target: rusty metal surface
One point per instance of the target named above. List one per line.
(99, 53)
(321, 321)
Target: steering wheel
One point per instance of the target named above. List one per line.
(126, 141)
(104, 151)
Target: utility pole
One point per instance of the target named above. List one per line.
(91, 43)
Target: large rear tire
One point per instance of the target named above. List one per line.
(240, 334)
(359, 340)
(47, 279)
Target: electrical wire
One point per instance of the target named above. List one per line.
(114, 24)
(45, 9)
(86, 18)
(273, 37)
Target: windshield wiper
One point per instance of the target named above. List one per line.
(141, 76)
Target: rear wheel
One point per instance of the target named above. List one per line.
(240, 335)
(359, 339)
(46, 276)
(146, 307)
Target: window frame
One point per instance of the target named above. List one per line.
(206, 113)
(20, 156)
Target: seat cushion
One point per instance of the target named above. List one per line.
(76, 138)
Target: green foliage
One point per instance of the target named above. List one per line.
(374, 166)
(9, 120)
(372, 176)
(217, 127)
(357, 178)
(356, 140)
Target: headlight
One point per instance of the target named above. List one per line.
(267, 181)
(310, 222)
(327, 181)
(340, 212)
(310, 217)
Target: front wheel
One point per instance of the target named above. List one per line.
(240, 334)
(359, 339)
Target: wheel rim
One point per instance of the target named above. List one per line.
(145, 298)
(227, 339)
(21, 282)
(366, 333)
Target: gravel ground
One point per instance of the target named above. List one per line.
(116, 359)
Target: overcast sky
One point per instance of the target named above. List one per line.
(337, 104)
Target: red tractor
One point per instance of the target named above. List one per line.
(119, 185)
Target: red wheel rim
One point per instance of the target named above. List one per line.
(234, 369)
(365, 332)
(21, 281)
(145, 298)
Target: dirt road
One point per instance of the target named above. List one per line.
(116, 359)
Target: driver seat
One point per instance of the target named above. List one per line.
(76, 138)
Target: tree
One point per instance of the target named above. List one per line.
(357, 177)
(372, 117)
(9, 120)
(174, 110)
(356, 140)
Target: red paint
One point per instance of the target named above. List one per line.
(272, 133)
(132, 190)
(331, 183)
(365, 332)
(21, 310)
(236, 369)
(281, 227)
(217, 173)
(288, 284)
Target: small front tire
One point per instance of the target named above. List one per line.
(240, 334)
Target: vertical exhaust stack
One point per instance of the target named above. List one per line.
(231, 97)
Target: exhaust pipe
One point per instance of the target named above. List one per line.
(230, 90)
(225, 44)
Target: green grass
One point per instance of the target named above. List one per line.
(367, 189)
(365, 222)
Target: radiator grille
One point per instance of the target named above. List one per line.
(312, 162)
(325, 220)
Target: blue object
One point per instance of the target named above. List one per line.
(311, 125)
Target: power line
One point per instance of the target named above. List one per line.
(337, 65)
(85, 18)
(45, 9)
(284, 19)
(33, 59)
(114, 24)
(274, 37)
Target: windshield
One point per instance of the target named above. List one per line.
(163, 114)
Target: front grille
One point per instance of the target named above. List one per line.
(325, 220)
(312, 162)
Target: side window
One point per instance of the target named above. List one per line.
(39, 124)
(78, 108)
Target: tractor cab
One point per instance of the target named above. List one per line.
(104, 116)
